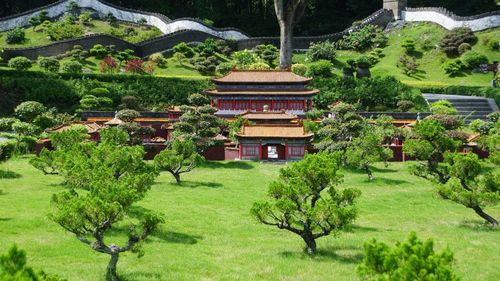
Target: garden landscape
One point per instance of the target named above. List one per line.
(249, 140)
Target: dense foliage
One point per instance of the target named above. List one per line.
(181, 157)
(410, 260)
(306, 200)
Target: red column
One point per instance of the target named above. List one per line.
(286, 151)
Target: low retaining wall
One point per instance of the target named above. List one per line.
(449, 20)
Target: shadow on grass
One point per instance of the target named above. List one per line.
(9, 175)
(390, 181)
(242, 165)
(357, 228)
(329, 253)
(383, 170)
(140, 275)
(195, 184)
(478, 225)
(176, 237)
(5, 219)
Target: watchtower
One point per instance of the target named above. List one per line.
(396, 6)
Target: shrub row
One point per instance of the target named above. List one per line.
(487, 92)
(65, 90)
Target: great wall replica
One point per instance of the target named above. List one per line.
(192, 30)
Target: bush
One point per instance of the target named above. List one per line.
(405, 105)
(224, 68)
(268, 53)
(6, 123)
(206, 66)
(322, 68)
(72, 67)
(363, 62)
(78, 53)
(15, 36)
(49, 64)
(408, 65)
(409, 45)
(411, 260)
(449, 122)
(158, 59)
(183, 48)
(62, 31)
(100, 92)
(464, 47)
(20, 63)
(300, 69)
(127, 115)
(25, 129)
(453, 67)
(364, 38)
(443, 107)
(7, 149)
(321, 51)
(480, 126)
(99, 51)
(473, 59)
(494, 116)
(259, 66)
(130, 102)
(454, 38)
(108, 65)
(243, 59)
(29, 110)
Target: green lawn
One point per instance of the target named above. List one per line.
(209, 234)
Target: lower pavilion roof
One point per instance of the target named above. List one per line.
(273, 131)
(305, 92)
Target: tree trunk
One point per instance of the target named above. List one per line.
(286, 42)
(368, 172)
(485, 216)
(111, 269)
(177, 178)
(310, 244)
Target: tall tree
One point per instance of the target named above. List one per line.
(289, 13)
(113, 177)
(307, 202)
(178, 159)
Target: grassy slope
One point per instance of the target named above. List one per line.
(209, 234)
(37, 37)
(430, 61)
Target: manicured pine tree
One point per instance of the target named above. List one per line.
(306, 200)
(178, 159)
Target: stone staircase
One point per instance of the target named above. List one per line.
(471, 108)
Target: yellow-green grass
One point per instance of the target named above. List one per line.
(430, 72)
(210, 235)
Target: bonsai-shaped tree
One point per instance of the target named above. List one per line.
(113, 177)
(367, 149)
(411, 260)
(305, 200)
(427, 143)
(469, 185)
(198, 122)
(180, 158)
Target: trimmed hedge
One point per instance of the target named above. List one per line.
(486, 92)
(64, 90)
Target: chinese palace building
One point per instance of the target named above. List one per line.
(277, 90)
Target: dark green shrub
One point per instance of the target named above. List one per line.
(405, 105)
(224, 68)
(78, 53)
(183, 48)
(72, 67)
(49, 64)
(128, 115)
(322, 68)
(443, 107)
(206, 65)
(363, 62)
(29, 110)
(473, 59)
(409, 45)
(25, 129)
(408, 65)
(454, 38)
(321, 51)
(364, 38)
(15, 36)
(411, 260)
(20, 63)
(99, 51)
(268, 53)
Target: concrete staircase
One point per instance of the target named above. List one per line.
(471, 108)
